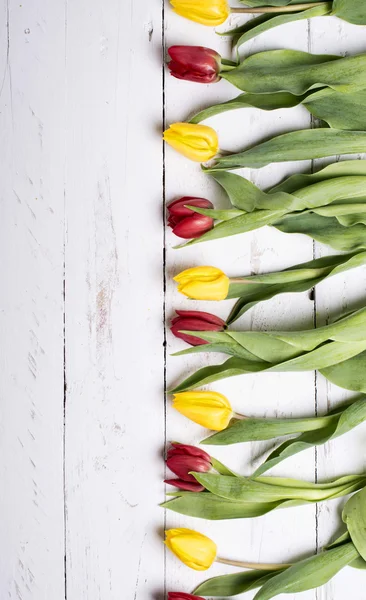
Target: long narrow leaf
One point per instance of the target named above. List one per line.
(257, 288)
(265, 23)
(297, 72)
(235, 583)
(252, 430)
(341, 423)
(354, 515)
(296, 145)
(310, 573)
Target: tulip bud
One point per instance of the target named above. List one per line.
(194, 63)
(183, 458)
(194, 549)
(209, 409)
(184, 222)
(207, 12)
(197, 142)
(203, 283)
(182, 596)
(195, 320)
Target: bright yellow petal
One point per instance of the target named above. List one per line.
(194, 549)
(206, 12)
(209, 409)
(216, 289)
(203, 283)
(199, 273)
(196, 142)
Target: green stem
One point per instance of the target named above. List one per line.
(278, 10)
(256, 566)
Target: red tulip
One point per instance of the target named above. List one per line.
(185, 223)
(195, 320)
(194, 63)
(182, 596)
(182, 459)
(187, 486)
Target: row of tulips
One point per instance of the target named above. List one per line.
(330, 207)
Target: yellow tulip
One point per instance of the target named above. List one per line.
(209, 409)
(203, 283)
(197, 142)
(193, 548)
(207, 12)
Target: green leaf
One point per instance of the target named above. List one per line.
(265, 23)
(326, 230)
(341, 423)
(253, 430)
(340, 111)
(349, 374)
(260, 101)
(257, 288)
(353, 11)
(204, 505)
(354, 516)
(297, 145)
(321, 349)
(275, 489)
(221, 468)
(297, 72)
(310, 573)
(235, 583)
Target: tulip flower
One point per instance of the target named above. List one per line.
(194, 63)
(197, 142)
(182, 596)
(195, 320)
(215, 12)
(193, 548)
(209, 409)
(198, 552)
(186, 223)
(182, 459)
(203, 283)
(206, 12)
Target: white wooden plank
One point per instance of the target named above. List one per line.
(283, 535)
(114, 325)
(32, 117)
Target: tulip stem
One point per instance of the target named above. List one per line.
(278, 10)
(256, 566)
(241, 280)
(239, 416)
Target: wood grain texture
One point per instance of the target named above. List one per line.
(31, 318)
(114, 331)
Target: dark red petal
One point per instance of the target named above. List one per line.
(182, 596)
(195, 77)
(185, 485)
(193, 227)
(190, 339)
(182, 465)
(202, 316)
(196, 58)
(189, 450)
(177, 208)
